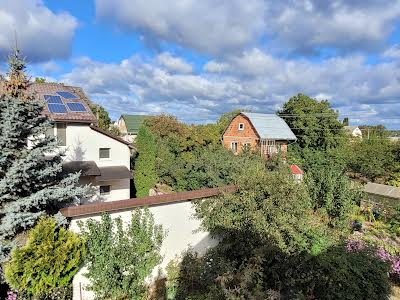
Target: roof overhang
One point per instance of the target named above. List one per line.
(87, 168)
(113, 173)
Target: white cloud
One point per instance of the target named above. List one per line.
(174, 64)
(363, 92)
(209, 26)
(392, 52)
(41, 34)
(231, 26)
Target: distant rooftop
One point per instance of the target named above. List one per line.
(270, 126)
(133, 122)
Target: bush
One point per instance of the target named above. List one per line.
(48, 261)
(120, 258)
(145, 164)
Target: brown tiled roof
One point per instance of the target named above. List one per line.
(41, 89)
(87, 168)
(113, 173)
(95, 128)
(112, 206)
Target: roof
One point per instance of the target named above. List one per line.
(270, 126)
(296, 170)
(113, 173)
(133, 122)
(99, 130)
(350, 128)
(87, 168)
(41, 89)
(96, 208)
(382, 190)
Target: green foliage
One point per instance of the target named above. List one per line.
(372, 158)
(102, 116)
(31, 183)
(120, 258)
(314, 122)
(40, 80)
(49, 260)
(173, 272)
(145, 165)
(269, 207)
(330, 189)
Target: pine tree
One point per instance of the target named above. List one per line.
(31, 180)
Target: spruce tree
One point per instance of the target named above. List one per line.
(31, 180)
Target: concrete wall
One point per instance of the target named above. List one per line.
(120, 189)
(182, 232)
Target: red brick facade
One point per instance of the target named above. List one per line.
(241, 132)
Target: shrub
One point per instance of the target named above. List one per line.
(49, 260)
(120, 258)
(145, 164)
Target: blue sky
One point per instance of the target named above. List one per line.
(198, 59)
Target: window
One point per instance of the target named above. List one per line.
(62, 134)
(104, 153)
(246, 147)
(241, 126)
(105, 189)
(50, 132)
(234, 147)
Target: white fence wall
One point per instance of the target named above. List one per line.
(182, 232)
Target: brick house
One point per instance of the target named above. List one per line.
(267, 133)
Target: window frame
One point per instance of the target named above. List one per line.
(109, 153)
(235, 150)
(107, 192)
(241, 126)
(61, 141)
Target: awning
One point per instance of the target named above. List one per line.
(113, 173)
(87, 168)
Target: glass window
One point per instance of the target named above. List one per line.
(104, 153)
(241, 126)
(62, 134)
(105, 189)
(234, 146)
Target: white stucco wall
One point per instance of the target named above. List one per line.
(120, 189)
(83, 143)
(182, 232)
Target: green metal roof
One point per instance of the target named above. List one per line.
(133, 122)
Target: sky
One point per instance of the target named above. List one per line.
(199, 59)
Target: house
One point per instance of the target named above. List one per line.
(128, 126)
(102, 159)
(297, 173)
(267, 133)
(353, 131)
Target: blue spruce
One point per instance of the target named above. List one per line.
(31, 180)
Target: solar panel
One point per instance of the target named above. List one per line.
(53, 99)
(75, 106)
(67, 95)
(57, 108)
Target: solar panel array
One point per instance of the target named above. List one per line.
(67, 95)
(76, 107)
(53, 99)
(56, 105)
(57, 108)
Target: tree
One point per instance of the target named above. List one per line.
(49, 260)
(269, 208)
(373, 158)
(145, 176)
(314, 122)
(40, 80)
(102, 116)
(346, 121)
(31, 182)
(119, 260)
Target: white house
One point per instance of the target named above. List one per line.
(128, 126)
(353, 131)
(103, 159)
